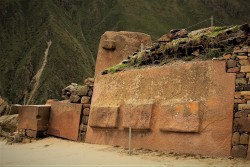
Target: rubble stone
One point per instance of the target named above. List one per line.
(231, 63)
(244, 138)
(243, 106)
(31, 133)
(239, 151)
(74, 98)
(227, 56)
(85, 100)
(247, 97)
(233, 70)
(248, 75)
(241, 81)
(245, 69)
(242, 57)
(244, 62)
(83, 127)
(86, 111)
(236, 138)
(85, 120)
(237, 95)
(80, 90)
(86, 105)
(241, 114)
(89, 81)
(240, 75)
(248, 152)
(242, 124)
(239, 101)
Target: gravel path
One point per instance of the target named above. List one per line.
(58, 152)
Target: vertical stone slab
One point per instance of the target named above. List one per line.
(65, 120)
(33, 117)
(117, 46)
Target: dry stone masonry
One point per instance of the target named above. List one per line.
(238, 63)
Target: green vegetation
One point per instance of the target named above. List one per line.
(202, 44)
(117, 68)
(216, 31)
(75, 27)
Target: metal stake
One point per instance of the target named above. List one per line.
(129, 141)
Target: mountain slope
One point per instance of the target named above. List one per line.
(75, 27)
(33, 24)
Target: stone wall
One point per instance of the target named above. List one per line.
(67, 119)
(238, 62)
(183, 108)
(81, 94)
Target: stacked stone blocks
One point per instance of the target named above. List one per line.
(239, 62)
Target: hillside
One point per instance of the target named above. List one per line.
(74, 28)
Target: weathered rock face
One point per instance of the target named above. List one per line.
(116, 46)
(182, 108)
(8, 123)
(4, 107)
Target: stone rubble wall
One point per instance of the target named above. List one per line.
(239, 62)
(81, 94)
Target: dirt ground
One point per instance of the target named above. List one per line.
(58, 152)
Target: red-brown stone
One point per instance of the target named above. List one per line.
(247, 97)
(117, 46)
(137, 116)
(242, 124)
(104, 117)
(248, 152)
(239, 101)
(227, 56)
(201, 84)
(233, 70)
(182, 117)
(239, 151)
(65, 120)
(34, 117)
